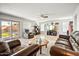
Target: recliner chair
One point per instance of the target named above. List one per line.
(66, 45)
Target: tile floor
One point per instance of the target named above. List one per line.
(46, 51)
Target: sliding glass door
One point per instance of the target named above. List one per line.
(15, 29)
(5, 29)
(9, 29)
(0, 31)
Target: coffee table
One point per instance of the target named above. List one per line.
(40, 40)
(44, 43)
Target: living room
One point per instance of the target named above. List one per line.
(39, 29)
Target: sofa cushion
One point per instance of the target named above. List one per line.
(63, 46)
(64, 36)
(62, 39)
(14, 43)
(62, 42)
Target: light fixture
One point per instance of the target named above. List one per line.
(44, 15)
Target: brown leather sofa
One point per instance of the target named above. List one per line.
(52, 33)
(66, 45)
(13, 48)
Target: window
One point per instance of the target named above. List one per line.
(65, 26)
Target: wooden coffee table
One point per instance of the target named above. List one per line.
(44, 43)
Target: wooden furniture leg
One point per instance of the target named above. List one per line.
(40, 49)
(46, 45)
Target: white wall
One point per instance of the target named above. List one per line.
(28, 25)
(76, 20)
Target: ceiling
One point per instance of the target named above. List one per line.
(32, 11)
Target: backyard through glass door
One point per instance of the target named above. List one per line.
(9, 29)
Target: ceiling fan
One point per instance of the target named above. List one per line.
(44, 15)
